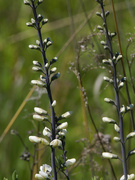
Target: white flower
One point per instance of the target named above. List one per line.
(70, 162)
(39, 118)
(62, 132)
(129, 177)
(62, 126)
(109, 155)
(47, 132)
(38, 176)
(40, 110)
(132, 134)
(56, 142)
(117, 139)
(116, 127)
(44, 172)
(108, 120)
(66, 115)
(54, 103)
(34, 139)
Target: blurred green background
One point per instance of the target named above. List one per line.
(65, 18)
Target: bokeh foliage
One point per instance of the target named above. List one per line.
(16, 74)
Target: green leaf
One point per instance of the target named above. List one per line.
(14, 175)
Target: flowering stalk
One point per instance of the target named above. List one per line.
(117, 84)
(56, 134)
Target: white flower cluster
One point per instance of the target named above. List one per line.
(61, 130)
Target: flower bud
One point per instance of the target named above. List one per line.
(66, 115)
(99, 27)
(116, 127)
(44, 21)
(26, 2)
(105, 61)
(109, 101)
(34, 47)
(38, 83)
(49, 43)
(40, 111)
(34, 68)
(54, 103)
(130, 135)
(103, 42)
(39, 118)
(38, 176)
(33, 21)
(55, 143)
(119, 57)
(117, 139)
(62, 132)
(98, 14)
(46, 65)
(70, 162)
(121, 85)
(38, 42)
(53, 60)
(122, 109)
(108, 120)
(34, 139)
(109, 155)
(47, 132)
(36, 63)
(39, 17)
(107, 79)
(44, 141)
(107, 13)
(53, 70)
(62, 126)
(29, 24)
(55, 76)
(129, 177)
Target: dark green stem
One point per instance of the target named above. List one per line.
(53, 119)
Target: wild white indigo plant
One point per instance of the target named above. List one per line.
(117, 85)
(54, 134)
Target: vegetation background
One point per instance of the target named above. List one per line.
(15, 76)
